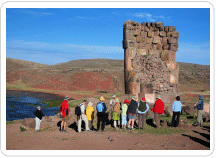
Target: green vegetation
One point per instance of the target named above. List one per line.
(74, 103)
(49, 104)
(47, 129)
(53, 103)
(101, 91)
(10, 122)
(22, 129)
(56, 137)
(64, 139)
(13, 122)
(145, 56)
(74, 138)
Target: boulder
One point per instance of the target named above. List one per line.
(29, 122)
(188, 109)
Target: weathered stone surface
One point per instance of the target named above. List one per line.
(159, 24)
(174, 47)
(156, 39)
(173, 40)
(153, 58)
(149, 34)
(162, 33)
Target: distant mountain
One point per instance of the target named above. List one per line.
(93, 74)
(14, 64)
(91, 63)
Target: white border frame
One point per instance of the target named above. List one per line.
(103, 4)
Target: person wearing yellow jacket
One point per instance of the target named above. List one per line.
(90, 114)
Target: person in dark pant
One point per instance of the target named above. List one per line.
(176, 108)
(142, 110)
(101, 109)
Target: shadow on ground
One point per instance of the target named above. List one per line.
(150, 123)
(207, 136)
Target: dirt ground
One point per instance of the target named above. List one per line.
(196, 138)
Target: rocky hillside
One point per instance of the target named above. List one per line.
(92, 75)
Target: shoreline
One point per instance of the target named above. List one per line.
(45, 96)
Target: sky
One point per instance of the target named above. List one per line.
(55, 35)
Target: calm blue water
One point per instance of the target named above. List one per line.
(21, 110)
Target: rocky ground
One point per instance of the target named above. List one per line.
(50, 138)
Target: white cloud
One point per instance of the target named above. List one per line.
(40, 51)
(149, 17)
(36, 13)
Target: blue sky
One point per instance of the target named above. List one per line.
(51, 36)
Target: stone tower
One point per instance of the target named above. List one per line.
(149, 60)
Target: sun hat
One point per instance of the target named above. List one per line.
(143, 99)
(158, 97)
(117, 100)
(125, 101)
(66, 98)
(102, 98)
(114, 96)
(134, 98)
(90, 104)
(200, 97)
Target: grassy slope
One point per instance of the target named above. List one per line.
(16, 64)
(91, 64)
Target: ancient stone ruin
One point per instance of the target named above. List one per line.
(149, 60)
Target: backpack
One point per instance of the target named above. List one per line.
(78, 110)
(142, 106)
(67, 111)
(99, 107)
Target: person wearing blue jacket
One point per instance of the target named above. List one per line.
(176, 108)
(101, 110)
(142, 110)
(199, 106)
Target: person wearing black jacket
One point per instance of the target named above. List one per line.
(38, 118)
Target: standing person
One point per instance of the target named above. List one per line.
(199, 106)
(101, 109)
(112, 102)
(116, 113)
(64, 110)
(124, 114)
(132, 112)
(90, 114)
(38, 118)
(176, 108)
(158, 109)
(142, 110)
(82, 117)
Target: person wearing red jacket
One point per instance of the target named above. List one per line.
(158, 109)
(64, 110)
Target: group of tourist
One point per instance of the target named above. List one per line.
(126, 112)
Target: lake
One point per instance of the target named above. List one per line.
(17, 107)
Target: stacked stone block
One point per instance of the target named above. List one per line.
(150, 53)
